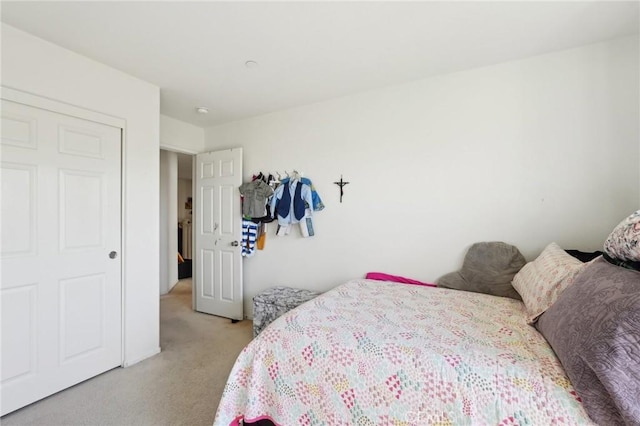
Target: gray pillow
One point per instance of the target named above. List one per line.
(489, 268)
(594, 329)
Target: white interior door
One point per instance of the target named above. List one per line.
(61, 292)
(218, 231)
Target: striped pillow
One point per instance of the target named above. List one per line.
(541, 282)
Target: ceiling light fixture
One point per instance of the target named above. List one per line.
(202, 110)
(251, 64)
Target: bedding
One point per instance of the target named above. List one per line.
(543, 280)
(624, 241)
(379, 353)
(488, 267)
(622, 247)
(381, 276)
(594, 329)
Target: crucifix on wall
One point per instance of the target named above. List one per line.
(341, 184)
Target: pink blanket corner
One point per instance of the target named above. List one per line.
(381, 276)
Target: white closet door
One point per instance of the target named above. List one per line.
(61, 218)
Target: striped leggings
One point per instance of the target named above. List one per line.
(249, 237)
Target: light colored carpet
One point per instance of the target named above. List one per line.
(180, 386)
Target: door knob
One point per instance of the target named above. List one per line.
(235, 243)
(113, 255)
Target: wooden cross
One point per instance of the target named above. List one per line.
(341, 184)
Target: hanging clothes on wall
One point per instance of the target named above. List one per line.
(317, 203)
(255, 197)
(262, 236)
(288, 202)
(306, 227)
(292, 203)
(249, 237)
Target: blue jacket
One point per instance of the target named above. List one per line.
(288, 202)
(315, 197)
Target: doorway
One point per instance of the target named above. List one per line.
(176, 230)
(185, 215)
(209, 214)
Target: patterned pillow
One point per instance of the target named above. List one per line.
(541, 282)
(624, 242)
(594, 329)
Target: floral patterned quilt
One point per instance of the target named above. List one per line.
(380, 353)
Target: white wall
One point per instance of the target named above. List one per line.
(168, 221)
(527, 152)
(176, 135)
(33, 65)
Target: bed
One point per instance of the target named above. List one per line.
(380, 353)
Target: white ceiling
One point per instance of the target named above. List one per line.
(307, 51)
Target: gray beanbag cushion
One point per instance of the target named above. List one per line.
(488, 268)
